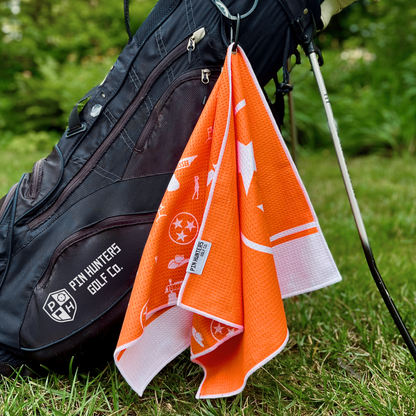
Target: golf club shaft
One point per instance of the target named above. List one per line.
(356, 210)
(293, 129)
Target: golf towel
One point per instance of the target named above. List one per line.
(235, 233)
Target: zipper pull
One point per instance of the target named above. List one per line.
(194, 40)
(191, 47)
(205, 73)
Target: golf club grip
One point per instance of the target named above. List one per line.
(356, 210)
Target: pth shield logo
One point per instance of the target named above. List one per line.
(60, 306)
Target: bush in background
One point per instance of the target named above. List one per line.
(369, 71)
(53, 51)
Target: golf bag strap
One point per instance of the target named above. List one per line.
(300, 13)
(74, 123)
(127, 19)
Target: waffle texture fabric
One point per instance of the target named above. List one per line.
(234, 235)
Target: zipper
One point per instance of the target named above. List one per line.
(193, 40)
(107, 224)
(118, 127)
(7, 200)
(196, 74)
(205, 74)
(36, 179)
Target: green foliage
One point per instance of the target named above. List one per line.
(369, 73)
(54, 51)
(49, 98)
(32, 141)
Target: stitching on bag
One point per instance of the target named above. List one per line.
(162, 53)
(140, 83)
(136, 88)
(117, 178)
(79, 162)
(112, 121)
(198, 53)
(109, 117)
(150, 101)
(147, 108)
(169, 69)
(157, 44)
(161, 40)
(129, 145)
(135, 74)
(191, 28)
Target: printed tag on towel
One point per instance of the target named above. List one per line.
(198, 257)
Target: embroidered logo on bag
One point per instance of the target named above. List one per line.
(60, 306)
(199, 257)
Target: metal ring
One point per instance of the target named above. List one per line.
(223, 9)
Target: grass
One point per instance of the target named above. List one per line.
(12, 167)
(344, 357)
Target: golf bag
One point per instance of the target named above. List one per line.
(72, 231)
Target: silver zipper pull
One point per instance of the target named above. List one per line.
(191, 47)
(193, 40)
(191, 43)
(205, 73)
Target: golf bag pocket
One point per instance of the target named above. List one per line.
(38, 184)
(89, 273)
(186, 95)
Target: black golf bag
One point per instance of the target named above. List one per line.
(72, 231)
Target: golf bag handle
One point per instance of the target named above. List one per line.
(220, 5)
(127, 19)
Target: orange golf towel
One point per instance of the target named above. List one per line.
(235, 233)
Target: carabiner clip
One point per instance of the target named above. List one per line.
(237, 33)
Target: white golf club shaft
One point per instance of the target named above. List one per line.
(356, 210)
(340, 155)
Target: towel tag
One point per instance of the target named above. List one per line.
(198, 257)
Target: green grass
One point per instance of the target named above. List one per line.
(13, 165)
(344, 357)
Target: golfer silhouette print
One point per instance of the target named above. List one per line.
(196, 192)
